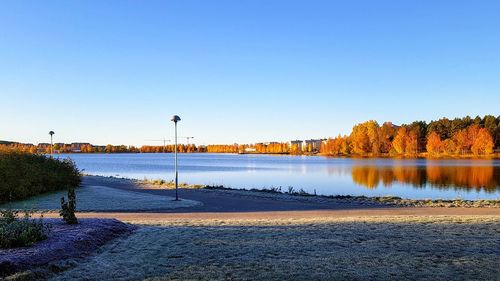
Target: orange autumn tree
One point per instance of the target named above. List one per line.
(465, 138)
(434, 144)
(449, 146)
(222, 148)
(386, 134)
(406, 141)
(330, 147)
(360, 140)
(373, 131)
(412, 143)
(399, 142)
(483, 143)
(472, 134)
(461, 141)
(337, 146)
(333, 146)
(365, 138)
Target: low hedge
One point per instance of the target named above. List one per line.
(23, 175)
(20, 232)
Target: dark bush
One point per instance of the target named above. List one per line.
(20, 232)
(23, 175)
(68, 208)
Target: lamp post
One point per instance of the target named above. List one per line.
(176, 119)
(51, 133)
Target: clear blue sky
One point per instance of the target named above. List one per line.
(241, 71)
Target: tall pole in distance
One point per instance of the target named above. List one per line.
(176, 171)
(176, 119)
(51, 133)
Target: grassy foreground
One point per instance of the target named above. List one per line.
(374, 248)
(102, 198)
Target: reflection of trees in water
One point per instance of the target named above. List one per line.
(485, 178)
(338, 170)
(464, 176)
(372, 176)
(366, 175)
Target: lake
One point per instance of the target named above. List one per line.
(407, 178)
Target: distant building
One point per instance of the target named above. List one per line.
(76, 147)
(99, 148)
(313, 145)
(42, 147)
(79, 145)
(296, 146)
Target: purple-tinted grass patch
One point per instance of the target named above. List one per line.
(64, 242)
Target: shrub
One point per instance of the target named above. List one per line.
(24, 175)
(20, 232)
(68, 208)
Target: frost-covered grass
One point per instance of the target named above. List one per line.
(64, 243)
(100, 198)
(369, 248)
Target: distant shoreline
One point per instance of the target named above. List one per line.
(495, 156)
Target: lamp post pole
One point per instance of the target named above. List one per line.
(51, 133)
(176, 119)
(176, 171)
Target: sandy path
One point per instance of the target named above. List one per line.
(152, 217)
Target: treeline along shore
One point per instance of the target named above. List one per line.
(459, 137)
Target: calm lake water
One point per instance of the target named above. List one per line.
(407, 178)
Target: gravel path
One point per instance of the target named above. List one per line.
(230, 200)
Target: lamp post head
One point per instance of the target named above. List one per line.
(175, 119)
(51, 133)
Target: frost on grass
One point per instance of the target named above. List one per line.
(374, 248)
(63, 242)
(101, 198)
